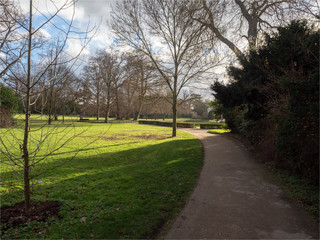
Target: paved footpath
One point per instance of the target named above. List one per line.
(237, 199)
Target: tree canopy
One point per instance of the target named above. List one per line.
(274, 96)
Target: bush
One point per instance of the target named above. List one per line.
(185, 125)
(9, 103)
(273, 97)
(211, 126)
(224, 126)
(167, 124)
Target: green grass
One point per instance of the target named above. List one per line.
(306, 194)
(127, 184)
(219, 131)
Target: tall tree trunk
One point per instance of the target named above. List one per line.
(118, 106)
(98, 106)
(139, 112)
(174, 113)
(174, 100)
(54, 105)
(26, 171)
(107, 111)
(50, 102)
(141, 98)
(252, 34)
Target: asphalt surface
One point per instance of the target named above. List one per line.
(236, 198)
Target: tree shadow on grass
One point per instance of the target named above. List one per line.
(127, 194)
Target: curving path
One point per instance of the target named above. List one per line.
(237, 199)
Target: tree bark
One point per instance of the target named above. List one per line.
(98, 108)
(118, 105)
(107, 111)
(139, 112)
(26, 171)
(174, 122)
(174, 105)
(98, 101)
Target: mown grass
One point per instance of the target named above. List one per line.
(126, 184)
(75, 118)
(219, 131)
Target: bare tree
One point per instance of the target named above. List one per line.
(13, 44)
(53, 81)
(147, 80)
(232, 20)
(33, 83)
(92, 76)
(109, 67)
(138, 75)
(130, 85)
(179, 56)
(307, 9)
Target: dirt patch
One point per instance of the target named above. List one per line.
(125, 136)
(149, 137)
(15, 215)
(107, 138)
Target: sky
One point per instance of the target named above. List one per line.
(87, 13)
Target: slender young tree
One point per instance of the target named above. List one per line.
(34, 81)
(13, 43)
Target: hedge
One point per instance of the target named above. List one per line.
(167, 124)
(211, 126)
(183, 125)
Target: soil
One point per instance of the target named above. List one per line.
(15, 215)
(149, 137)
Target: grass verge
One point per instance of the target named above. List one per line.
(219, 131)
(127, 184)
(306, 194)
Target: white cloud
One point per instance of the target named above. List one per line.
(96, 8)
(75, 47)
(45, 33)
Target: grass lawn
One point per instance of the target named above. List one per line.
(127, 184)
(219, 131)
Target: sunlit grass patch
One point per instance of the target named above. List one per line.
(126, 184)
(219, 131)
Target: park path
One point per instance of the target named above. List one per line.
(235, 198)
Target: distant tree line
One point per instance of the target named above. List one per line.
(272, 98)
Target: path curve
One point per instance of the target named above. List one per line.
(235, 198)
